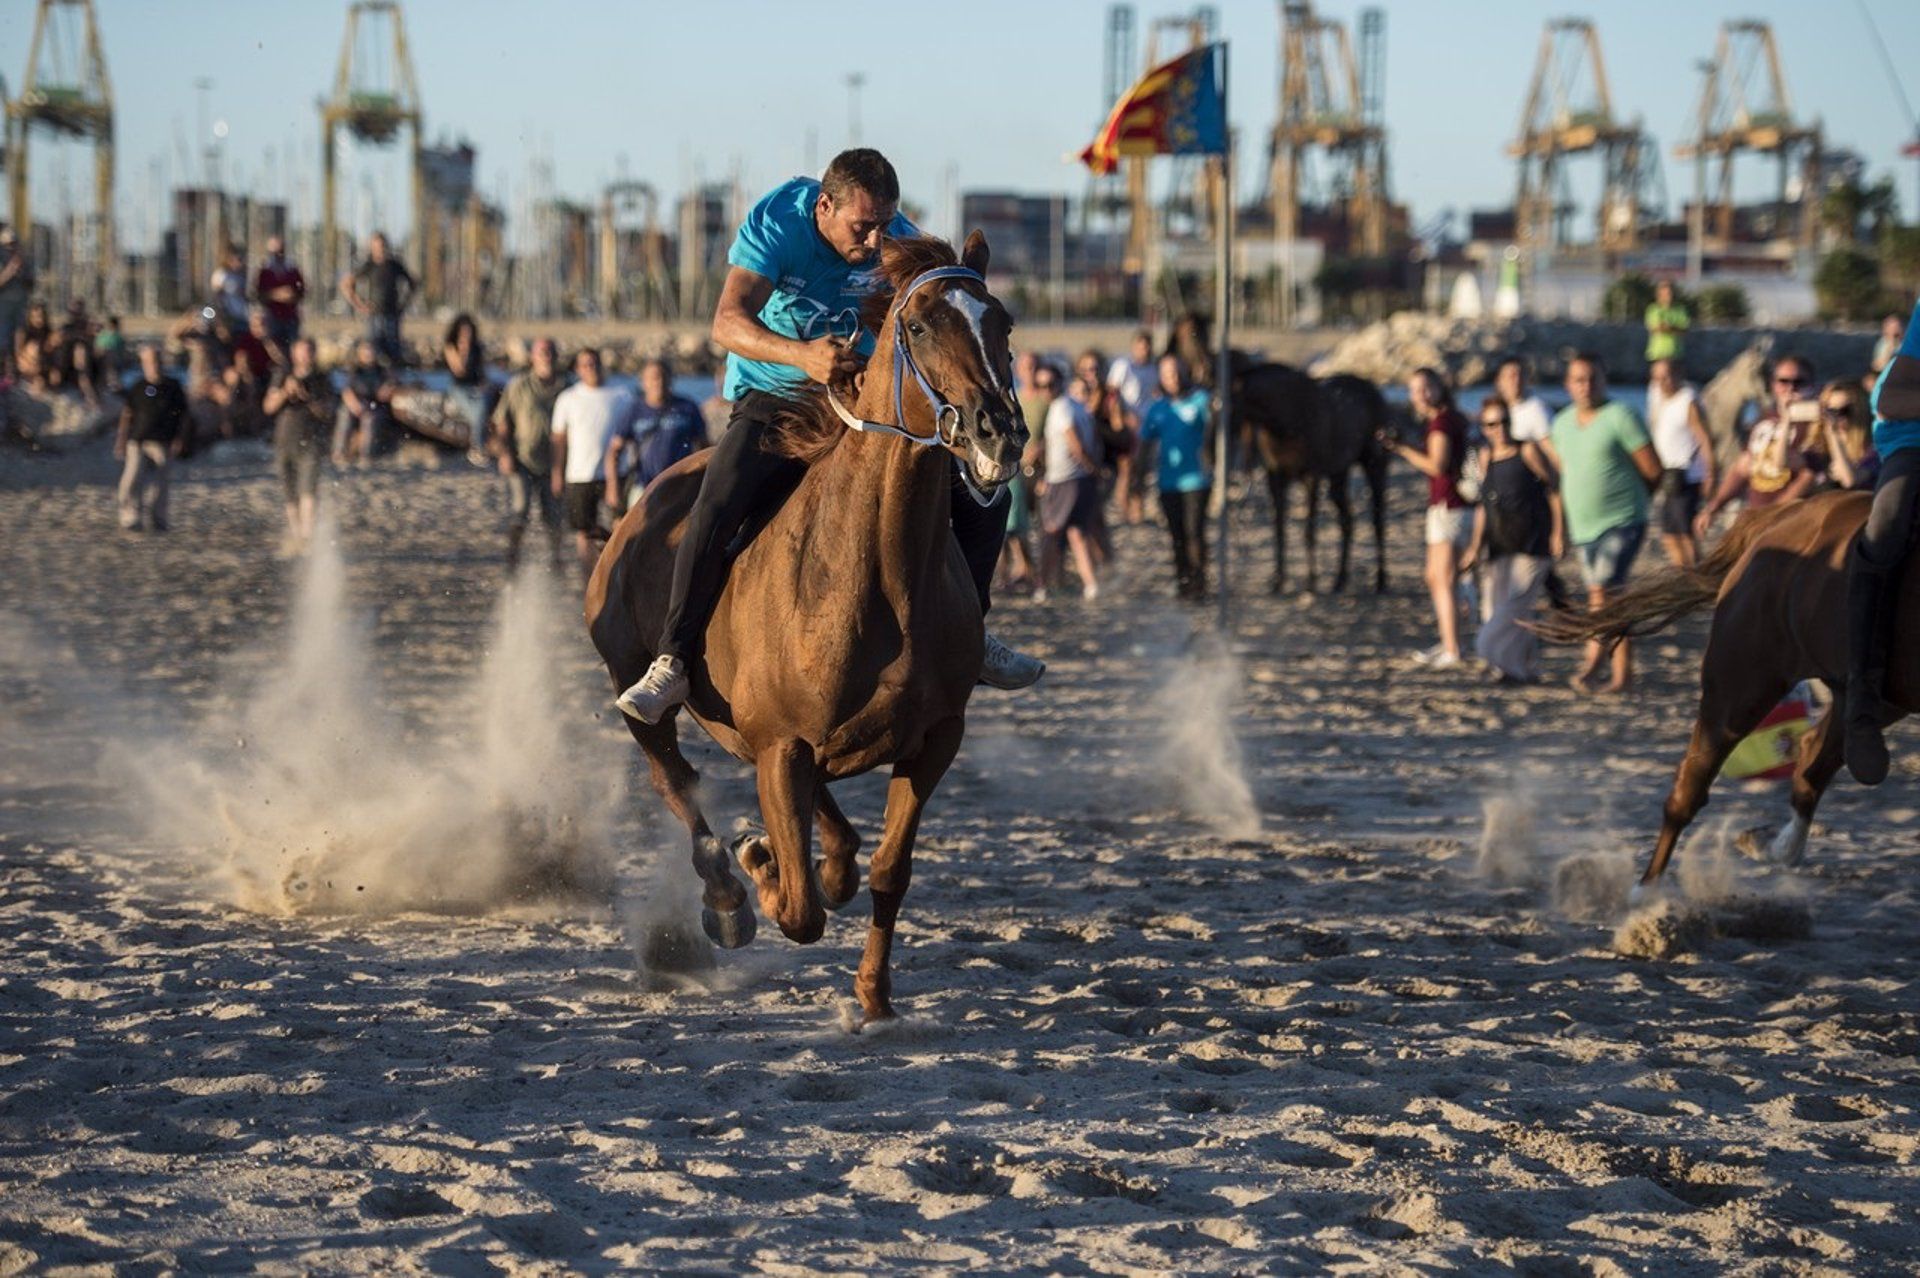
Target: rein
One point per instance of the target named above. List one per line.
(946, 418)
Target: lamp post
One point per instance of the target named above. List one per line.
(855, 79)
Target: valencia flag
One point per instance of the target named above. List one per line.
(1175, 109)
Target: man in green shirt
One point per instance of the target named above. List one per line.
(523, 443)
(1607, 468)
(1666, 322)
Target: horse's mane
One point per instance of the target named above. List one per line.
(812, 429)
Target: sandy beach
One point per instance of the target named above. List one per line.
(330, 890)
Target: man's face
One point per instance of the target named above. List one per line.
(303, 358)
(653, 384)
(1047, 383)
(364, 355)
(1663, 375)
(854, 223)
(1790, 383)
(1584, 383)
(542, 359)
(587, 365)
(1507, 382)
(276, 247)
(1663, 294)
(377, 248)
(1142, 350)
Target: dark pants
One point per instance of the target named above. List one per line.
(743, 485)
(1888, 534)
(384, 332)
(1187, 523)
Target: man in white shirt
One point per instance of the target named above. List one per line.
(1133, 379)
(1526, 414)
(1680, 437)
(1070, 507)
(585, 417)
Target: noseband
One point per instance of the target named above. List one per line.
(946, 418)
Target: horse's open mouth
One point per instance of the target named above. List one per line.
(989, 474)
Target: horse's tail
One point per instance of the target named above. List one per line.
(1678, 592)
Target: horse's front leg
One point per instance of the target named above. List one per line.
(789, 778)
(892, 866)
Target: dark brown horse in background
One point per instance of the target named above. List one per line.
(849, 634)
(1302, 429)
(1778, 585)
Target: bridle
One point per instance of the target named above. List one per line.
(946, 417)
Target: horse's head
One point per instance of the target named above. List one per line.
(953, 367)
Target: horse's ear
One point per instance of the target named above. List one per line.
(974, 255)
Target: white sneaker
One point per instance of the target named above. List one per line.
(1006, 669)
(1426, 656)
(1445, 661)
(660, 689)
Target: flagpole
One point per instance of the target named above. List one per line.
(1223, 386)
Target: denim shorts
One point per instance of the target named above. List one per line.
(1608, 558)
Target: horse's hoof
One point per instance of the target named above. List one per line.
(1644, 893)
(731, 930)
(755, 856)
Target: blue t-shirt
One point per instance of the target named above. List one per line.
(1180, 424)
(665, 434)
(1891, 437)
(816, 292)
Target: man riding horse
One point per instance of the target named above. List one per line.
(789, 314)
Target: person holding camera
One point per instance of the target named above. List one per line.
(1783, 458)
(301, 403)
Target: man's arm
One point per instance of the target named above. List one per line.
(737, 328)
(350, 291)
(558, 465)
(1647, 462)
(1697, 423)
(276, 398)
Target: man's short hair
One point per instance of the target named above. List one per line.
(1514, 361)
(1591, 360)
(659, 362)
(865, 168)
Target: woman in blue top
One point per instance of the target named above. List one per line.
(1873, 576)
(1178, 423)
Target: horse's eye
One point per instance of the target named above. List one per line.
(916, 330)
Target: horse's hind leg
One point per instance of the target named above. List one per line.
(1821, 753)
(1375, 465)
(1277, 486)
(727, 917)
(789, 790)
(892, 866)
(839, 844)
(1342, 507)
(1732, 704)
(1312, 530)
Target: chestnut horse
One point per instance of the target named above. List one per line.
(1304, 429)
(849, 634)
(1778, 585)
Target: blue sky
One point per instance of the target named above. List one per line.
(990, 93)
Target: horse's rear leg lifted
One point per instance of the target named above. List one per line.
(839, 874)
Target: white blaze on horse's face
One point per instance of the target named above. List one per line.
(975, 311)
